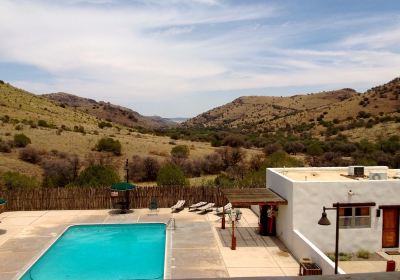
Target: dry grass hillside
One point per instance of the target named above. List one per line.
(108, 111)
(310, 112)
(73, 131)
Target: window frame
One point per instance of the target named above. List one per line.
(350, 221)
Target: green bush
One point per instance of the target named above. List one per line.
(43, 123)
(97, 176)
(104, 124)
(282, 159)
(363, 254)
(21, 140)
(171, 175)
(107, 144)
(180, 151)
(15, 180)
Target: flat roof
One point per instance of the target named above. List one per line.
(252, 196)
(333, 174)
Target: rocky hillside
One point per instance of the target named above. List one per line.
(315, 112)
(108, 111)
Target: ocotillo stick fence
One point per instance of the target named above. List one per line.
(99, 198)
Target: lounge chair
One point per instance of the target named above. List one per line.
(194, 207)
(227, 209)
(206, 208)
(178, 206)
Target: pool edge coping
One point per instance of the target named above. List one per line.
(167, 268)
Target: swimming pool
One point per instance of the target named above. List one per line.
(97, 252)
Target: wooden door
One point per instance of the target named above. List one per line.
(390, 233)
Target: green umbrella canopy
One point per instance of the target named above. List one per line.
(123, 186)
(2, 201)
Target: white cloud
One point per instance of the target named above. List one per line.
(161, 49)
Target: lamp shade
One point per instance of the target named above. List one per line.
(324, 221)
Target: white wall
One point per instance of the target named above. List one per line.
(305, 202)
(310, 197)
(304, 248)
(284, 221)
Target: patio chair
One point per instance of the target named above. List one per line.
(195, 206)
(178, 206)
(153, 207)
(227, 209)
(206, 208)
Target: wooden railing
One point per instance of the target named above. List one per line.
(99, 198)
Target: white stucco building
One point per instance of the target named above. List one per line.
(369, 220)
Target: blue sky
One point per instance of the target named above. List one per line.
(181, 57)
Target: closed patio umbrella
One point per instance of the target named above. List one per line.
(122, 186)
(125, 187)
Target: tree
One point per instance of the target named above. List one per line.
(108, 144)
(180, 151)
(282, 159)
(59, 172)
(314, 149)
(171, 175)
(21, 140)
(272, 148)
(15, 180)
(97, 176)
(234, 141)
(294, 147)
(151, 168)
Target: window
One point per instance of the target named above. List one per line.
(355, 217)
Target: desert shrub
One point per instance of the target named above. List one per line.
(223, 180)
(101, 158)
(282, 159)
(59, 172)
(30, 155)
(109, 145)
(272, 148)
(363, 254)
(315, 149)
(171, 175)
(21, 140)
(231, 156)
(104, 124)
(136, 169)
(5, 147)
(191, 168)
(234, 141)
(180, 151)
(97, 176)
(18, 127)
(294, 147)
(151, 168)
(15, 180)
(43, 123)
(212, 163)
(174, 136)
(143, 169)
(79, 128)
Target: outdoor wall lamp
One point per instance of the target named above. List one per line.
(324, 221)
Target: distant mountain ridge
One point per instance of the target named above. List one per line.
(314, 111)
(109, 112)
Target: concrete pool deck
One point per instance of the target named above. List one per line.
(198, 249)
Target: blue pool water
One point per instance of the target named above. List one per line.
(104, 252)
